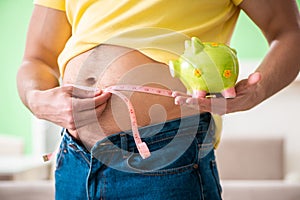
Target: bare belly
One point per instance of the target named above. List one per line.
(108, 65)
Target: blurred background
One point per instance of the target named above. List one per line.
(21, 134)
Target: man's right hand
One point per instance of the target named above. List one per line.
(68, 106)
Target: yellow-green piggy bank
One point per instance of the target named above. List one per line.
(207, 68)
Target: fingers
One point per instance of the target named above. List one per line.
(178, 93)
(180, 97)
(88, 116)
(81, 91)
(86, 111)
(85, 98)
(212, 105)
(254, 78)
(87, 104)
(180, 100)
(80, 104)
(248, 85)
(69, 106)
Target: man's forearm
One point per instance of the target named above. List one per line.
(34, 75)
(280, 66)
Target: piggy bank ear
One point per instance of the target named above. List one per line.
(197, 45)
(187, 44)
(173, 67)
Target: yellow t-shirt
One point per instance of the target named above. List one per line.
(148, 25)
(157, 28)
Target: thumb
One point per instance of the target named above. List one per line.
(254, 78)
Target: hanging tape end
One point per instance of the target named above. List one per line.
(46, 158)
(144, 151)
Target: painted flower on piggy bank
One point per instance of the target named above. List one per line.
(207, 68)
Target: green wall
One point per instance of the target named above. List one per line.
(15, 119)
(248, 40)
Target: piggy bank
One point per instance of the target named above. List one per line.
(206, 67)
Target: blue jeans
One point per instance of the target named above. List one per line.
(181, 166)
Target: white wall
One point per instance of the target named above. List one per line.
(45, 137)
(276, 117)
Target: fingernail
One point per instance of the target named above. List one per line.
(188, 101)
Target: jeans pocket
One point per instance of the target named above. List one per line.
(70, 150)
(81, 154)
(169, 161)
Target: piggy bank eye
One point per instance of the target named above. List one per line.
(227, 73)
(197, 72)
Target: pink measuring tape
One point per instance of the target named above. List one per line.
(141, 146)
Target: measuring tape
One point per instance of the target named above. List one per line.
(141, 146)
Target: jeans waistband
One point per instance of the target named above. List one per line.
(178, 133)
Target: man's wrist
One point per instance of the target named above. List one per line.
(32, 97)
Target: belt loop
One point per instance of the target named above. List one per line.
(124, 145)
